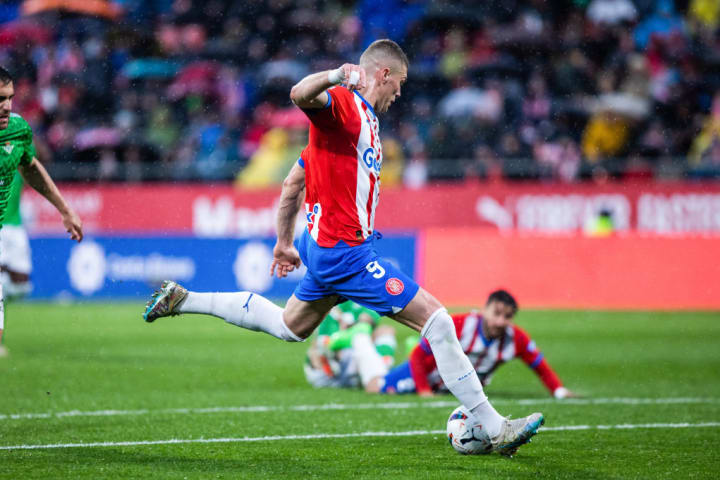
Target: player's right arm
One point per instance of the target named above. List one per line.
(311, 91)
(37, 177)
(285, 256)
(532, 357)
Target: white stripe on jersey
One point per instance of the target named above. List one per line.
(469, 331)
(367, 158)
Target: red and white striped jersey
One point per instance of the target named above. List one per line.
(342, 169)
(485, 354)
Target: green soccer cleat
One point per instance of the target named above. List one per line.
(165, 301)
(516, 433)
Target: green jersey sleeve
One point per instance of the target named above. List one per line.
(28, 147)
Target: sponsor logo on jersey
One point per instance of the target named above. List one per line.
(394, 286)
(312, 214)
(371, 160)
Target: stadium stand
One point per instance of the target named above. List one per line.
(567, 90)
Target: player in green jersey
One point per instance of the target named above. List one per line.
(18, 154)
(15, 258)
(350, 348)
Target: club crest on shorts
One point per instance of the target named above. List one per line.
(394, 286)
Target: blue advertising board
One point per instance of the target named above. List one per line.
(111, 267)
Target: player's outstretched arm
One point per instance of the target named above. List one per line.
(285, 256)
(310, 92)
(38, 178)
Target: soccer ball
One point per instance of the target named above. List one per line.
(466, 435)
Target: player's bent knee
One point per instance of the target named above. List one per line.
(297, 330)
(439, 326)
(293, 335)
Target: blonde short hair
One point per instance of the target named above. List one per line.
(385, 48)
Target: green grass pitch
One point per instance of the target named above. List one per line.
(96, 373)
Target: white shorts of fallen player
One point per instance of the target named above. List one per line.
(15, 256)
(15, 249)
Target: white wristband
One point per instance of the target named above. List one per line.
(336, 76)
(354, 78)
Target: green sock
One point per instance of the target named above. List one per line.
(385, 350)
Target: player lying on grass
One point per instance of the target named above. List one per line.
(489, 339)
(17, 153)
(348, 338)
(337, 181)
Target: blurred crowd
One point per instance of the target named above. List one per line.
(561, 90)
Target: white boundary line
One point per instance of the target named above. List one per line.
(356, 406)
(322, 436)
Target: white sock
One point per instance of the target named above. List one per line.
(369, 362)
(457, 372)
(244, 309)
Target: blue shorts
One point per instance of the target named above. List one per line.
(399, 380)
(354, 273)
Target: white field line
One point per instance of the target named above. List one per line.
(322, 436)
(356, 406)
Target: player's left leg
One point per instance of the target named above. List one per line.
(15, 261)
(426, 313)
(248, 310)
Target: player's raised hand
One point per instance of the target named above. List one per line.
(350, 75)
(285, 260)
(73, 225)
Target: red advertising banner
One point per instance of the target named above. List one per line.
(462, 265)
(221, 211)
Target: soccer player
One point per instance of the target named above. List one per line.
(489, 340)
(350, 349)
(15, 258)
(339, 174)
(18, 154)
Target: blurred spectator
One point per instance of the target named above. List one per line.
(279, 149)
(455, 56)
(705, 12)
(705, 151)
(560, 159)
(611, 12)
(415, 174)
(662, 24)
(525, 89)
(393, 162)
(606, 135)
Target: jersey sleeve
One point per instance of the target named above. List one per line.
(337, 113)
(459, 321)
(529, 353)
(422, 363)
(28, 147)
